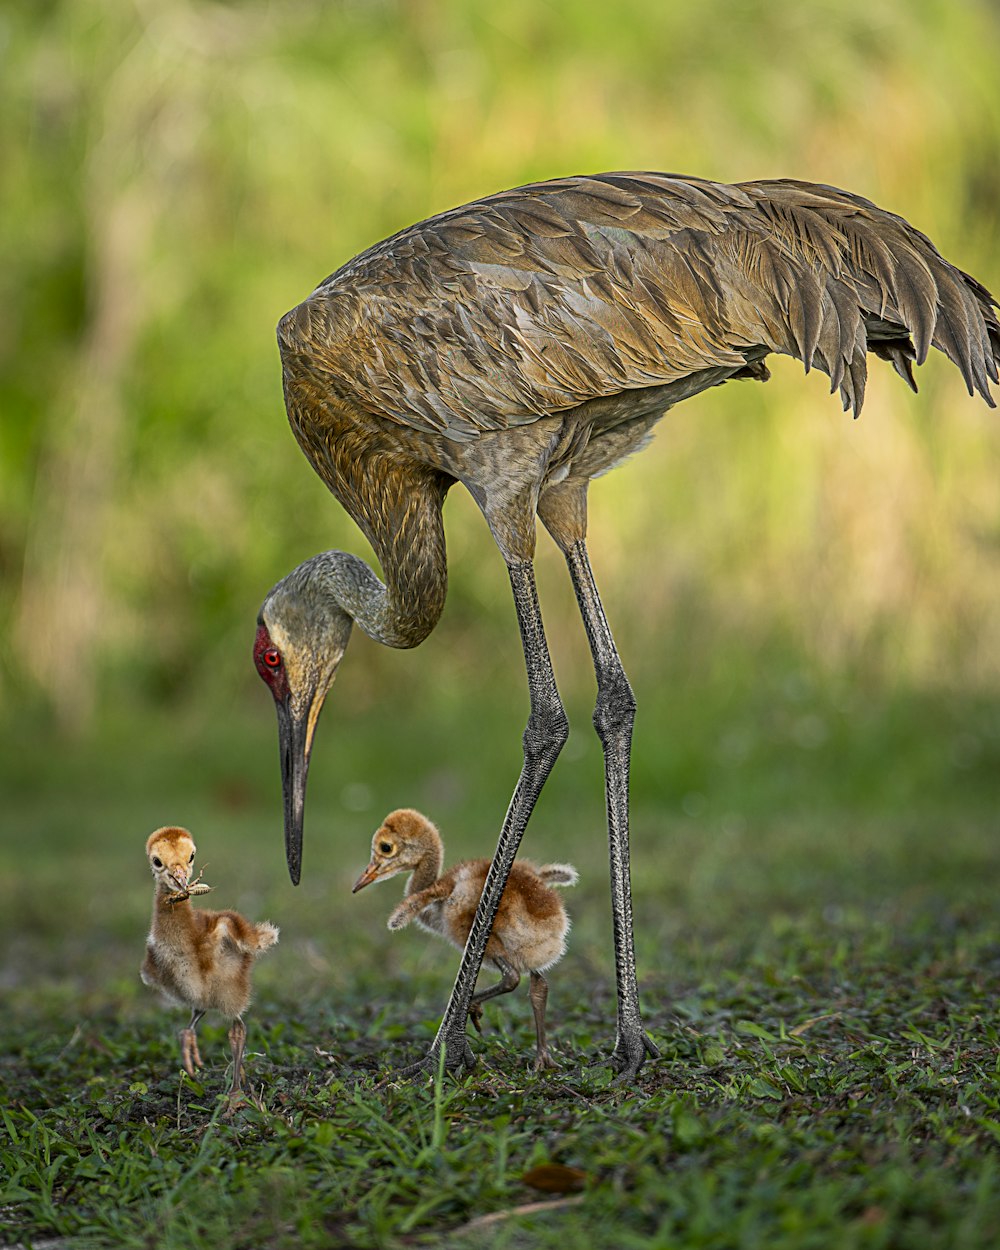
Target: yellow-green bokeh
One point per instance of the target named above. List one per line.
(179, 173)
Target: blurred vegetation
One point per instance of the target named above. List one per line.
(180, 173)
(809, 607)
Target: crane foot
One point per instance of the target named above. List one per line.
(631, 1051)
(235, 1099)
(458, 1059)
(545, 1063)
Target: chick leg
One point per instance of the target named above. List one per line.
(510, 979)
(237, 1043)
(539, 993)
(189, 1044)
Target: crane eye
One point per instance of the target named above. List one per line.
(272, 658)
(385, 848)
(157, 862)
(191, 860)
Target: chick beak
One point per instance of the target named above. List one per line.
(370, 874)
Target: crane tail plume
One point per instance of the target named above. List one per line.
(850, 278)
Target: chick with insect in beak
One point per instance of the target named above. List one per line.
(199, 959)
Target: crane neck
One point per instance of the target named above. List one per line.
(399, 612)
(400, 515)
(168, 916)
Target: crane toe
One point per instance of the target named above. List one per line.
(459, 1059)
(631, 1051)
(545, 1063)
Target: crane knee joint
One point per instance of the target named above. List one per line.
(614, 713)
(545, 735)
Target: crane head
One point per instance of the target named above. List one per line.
(301, 639)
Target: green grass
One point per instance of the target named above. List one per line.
(818, 948)
(835, 1083)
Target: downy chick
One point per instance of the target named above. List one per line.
(529, 932)
(199, 959)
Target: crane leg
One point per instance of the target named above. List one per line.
(237, 1044)
(544, 736)
(613, 718)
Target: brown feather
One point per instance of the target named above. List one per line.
(648, 277)
(529, 931)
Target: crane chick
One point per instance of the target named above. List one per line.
(529, 932)
(199, 959)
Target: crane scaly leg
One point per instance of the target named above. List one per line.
(544, 737)
(613, 717)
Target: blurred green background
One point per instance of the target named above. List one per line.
(809, 607)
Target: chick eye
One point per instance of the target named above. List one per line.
(272, 657)
(191, 860)
(385, 848)
(157, 862)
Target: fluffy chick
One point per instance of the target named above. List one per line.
(198, 958)
(529, 932)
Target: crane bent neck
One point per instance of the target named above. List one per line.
(398, 614)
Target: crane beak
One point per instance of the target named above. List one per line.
(309, 636)
(295, 746)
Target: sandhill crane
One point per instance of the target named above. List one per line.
(528, 932)
(199, 958)
(523, 344)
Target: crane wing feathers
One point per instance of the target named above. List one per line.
(539, 299)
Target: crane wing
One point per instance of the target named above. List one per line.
(536, 300)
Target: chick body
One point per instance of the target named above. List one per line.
(199, 958)
(531, 924)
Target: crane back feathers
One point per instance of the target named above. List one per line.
(543, 298)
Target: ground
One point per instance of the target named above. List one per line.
(818, 970)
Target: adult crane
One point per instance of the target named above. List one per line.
(522, 345)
